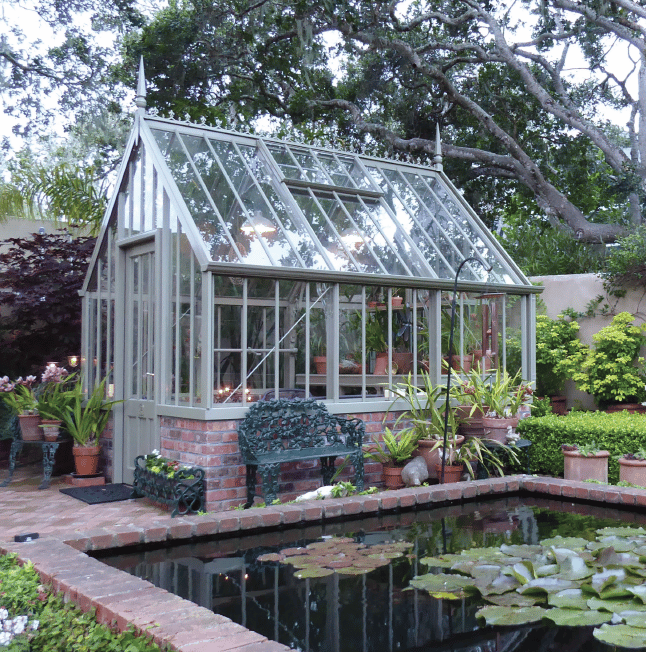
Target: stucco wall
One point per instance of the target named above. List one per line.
(577, 291)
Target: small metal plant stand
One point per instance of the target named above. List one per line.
(184, 492)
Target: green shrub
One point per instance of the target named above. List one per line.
(62, 627)
(617, 433)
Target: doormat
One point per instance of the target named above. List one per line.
(107, 493)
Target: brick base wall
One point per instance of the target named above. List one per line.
(213, 445)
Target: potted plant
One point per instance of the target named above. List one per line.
(504, 395)
(424, 415)
(632, 468)
(585, 462)
(469, 394)
(613, 370)
(559, 353)
(21, 400)
(393, 452)
(467, 455)
(53, 399)
(85, 421)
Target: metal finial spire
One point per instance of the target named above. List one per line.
(437, 159)
(140, 98)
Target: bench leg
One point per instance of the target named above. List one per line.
(251, 485)
(357, 462)
(327, 469)
(269, 474)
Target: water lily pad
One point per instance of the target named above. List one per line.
(353, 570)
(292, 552)
(387, 555)
(547, 585)
(450, 587)
(568, 599)
(609, 557)
(495, 615)
(615, 592)
(485, 573)
(634, 618)
(547, 570)
(512, 599)
(523, 572)
(575, 568)
(340, 563)
(622, 635)
(639, 592)
(576, 618)
(502, 584)
(313, 572)
(442, 561)
(573, 543)
(271, 556)
(622, 531)
(601, 581)
(523, 551)
(300, 561)
(615, 606)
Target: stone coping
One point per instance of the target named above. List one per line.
(122, 600)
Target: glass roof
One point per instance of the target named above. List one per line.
(261, 202)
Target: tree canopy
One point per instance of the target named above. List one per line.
(498, 77)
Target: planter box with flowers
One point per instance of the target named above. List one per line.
(168, 482)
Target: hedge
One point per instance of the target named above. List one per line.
(617, 433)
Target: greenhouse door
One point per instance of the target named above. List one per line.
(139, 415)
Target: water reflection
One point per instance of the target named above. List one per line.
(373, 612)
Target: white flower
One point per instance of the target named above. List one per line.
(34, 624)
(4, 614)
(5, 638)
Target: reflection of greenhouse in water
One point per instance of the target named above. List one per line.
(374, 612)
(232, 267)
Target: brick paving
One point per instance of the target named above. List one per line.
(68, 528)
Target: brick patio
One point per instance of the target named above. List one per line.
(68, 528)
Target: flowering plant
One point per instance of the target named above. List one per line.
(19, 394)
(505, 394)
(12, 627)
(53, 397)
(161, 465)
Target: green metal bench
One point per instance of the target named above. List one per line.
(283, 430)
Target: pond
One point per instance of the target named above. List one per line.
(363, 600)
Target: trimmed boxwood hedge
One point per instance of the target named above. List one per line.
(617, 433)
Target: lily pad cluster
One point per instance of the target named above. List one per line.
(567, 580)
(341, 555)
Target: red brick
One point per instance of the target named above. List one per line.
(313, 511)
(555, 489)
(469, 490)
(596, 494)
(612, 495)
(454, 492)
(582, 492)
(332, 508)
(156, 532)
(205, 526)
(229, 522)
(388, 500)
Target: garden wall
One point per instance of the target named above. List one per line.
(578, 291)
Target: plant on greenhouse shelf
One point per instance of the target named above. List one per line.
(613, 370)
(559, 353)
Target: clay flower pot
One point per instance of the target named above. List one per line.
(470, 424)
(320, 362)
(632, 471)
(29, 427)
(86, 459)
(452, 472)
(50, 428)
(432, 457)
(496, 428)
(393, 477)
(585, 467)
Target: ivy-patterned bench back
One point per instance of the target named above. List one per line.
(286, 430)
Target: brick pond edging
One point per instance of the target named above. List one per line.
(123, 600)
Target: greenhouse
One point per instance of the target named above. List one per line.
(233, 268)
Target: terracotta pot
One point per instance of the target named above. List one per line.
(396, 302)
(580, 467)
(320, 362)
(632, 471)
(29, 427)
(432, 457)
(470, 425)
(452, 472)
(393, 477)
(381, 364)
(496, 428)
(50, 428)
(559, 404)
(404, 362)
(86, 459)
(633, 408)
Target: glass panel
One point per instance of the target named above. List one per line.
(467, 333)
(134, 331)
(313, 209)
(259, 221)
(294, 226)
(405, 205)
(513, 339)
(136, 195)
(286, 163)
